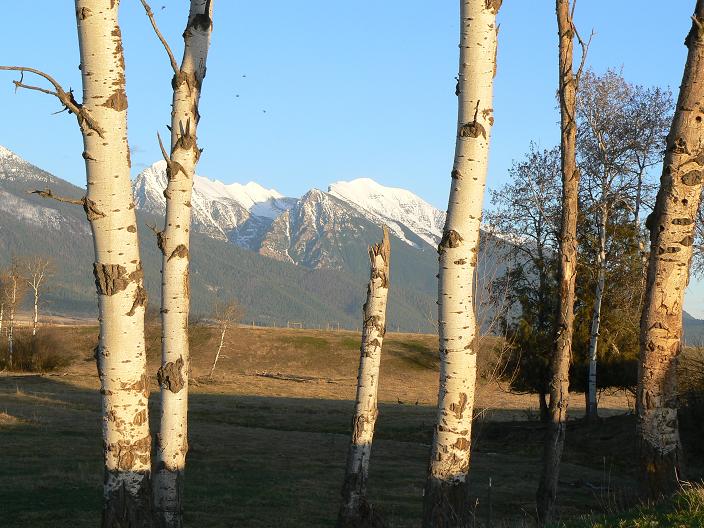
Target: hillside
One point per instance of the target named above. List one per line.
(271, 291)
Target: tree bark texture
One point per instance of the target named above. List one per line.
(671, 235)
(446, 491)
(562, 352)
(174, 242)
(118, 271)
(355, 511)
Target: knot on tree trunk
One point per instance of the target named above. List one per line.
(110, 278)
(450, 239)
(170, 376)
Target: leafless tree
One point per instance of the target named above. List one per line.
(14, 290)
(567, 271)
(225, 314)
(38, 270)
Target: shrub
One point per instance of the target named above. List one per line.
(41, 353)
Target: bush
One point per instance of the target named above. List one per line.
(41, 353)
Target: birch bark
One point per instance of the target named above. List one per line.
(118, 271)
(592, 412)
(446, 490)
(671, 228)
(11, 325)
(174, 242)
(355, 510)
(217, 354)
(560, 362)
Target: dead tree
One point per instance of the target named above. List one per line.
(567, 272)
(355, 511)
(38, 269)
(119, 278)
(225, 314)
(174, 243)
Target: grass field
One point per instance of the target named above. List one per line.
(269, 434)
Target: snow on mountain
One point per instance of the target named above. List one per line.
(398, 208)
(6, 153)
(238, 213)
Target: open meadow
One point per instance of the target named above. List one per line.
(269, 435)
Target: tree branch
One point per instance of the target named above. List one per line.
(66, 97)
(48, 193)
(163, 150)
(585, 49)
(150, 14)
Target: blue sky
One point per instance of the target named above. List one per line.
(333, 90)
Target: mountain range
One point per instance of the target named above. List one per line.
(284, 259)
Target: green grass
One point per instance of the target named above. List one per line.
(311, 343)
(684, 510)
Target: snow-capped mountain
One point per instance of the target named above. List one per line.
(238, 213)
(398, 208)
(260, 248)
(311, 231)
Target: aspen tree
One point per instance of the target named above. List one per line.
(39, 269)
(446, 490)
(355, 510)
(672, 230)
(15, 293)
(225, 314)
(109, 206)
(567, 272)
(174, 242)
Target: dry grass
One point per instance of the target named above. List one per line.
(270, 450)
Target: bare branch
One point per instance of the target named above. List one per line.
(585, 49)
(66, 97)
(163, 150)
(150, 14)
(48, 193)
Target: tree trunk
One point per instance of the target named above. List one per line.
(592, 413)
(35, 320)
(446, 491)
(11, 325)
(118, 271)
(217, 354)
(355, 510)
(10, 333)
(671, 234)
(174, 242)
(560, 361)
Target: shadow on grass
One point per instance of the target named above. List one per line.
(259, 461)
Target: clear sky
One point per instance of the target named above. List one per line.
(301, 94)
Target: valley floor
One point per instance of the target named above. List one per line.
(269, 434)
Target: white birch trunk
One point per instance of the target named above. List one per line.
(35, 320)
(2, 316)
(217, 354)
(11, 325)
(174, 242)
(445, 503)
(592, 412)
(118, 269)
(355, 510)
